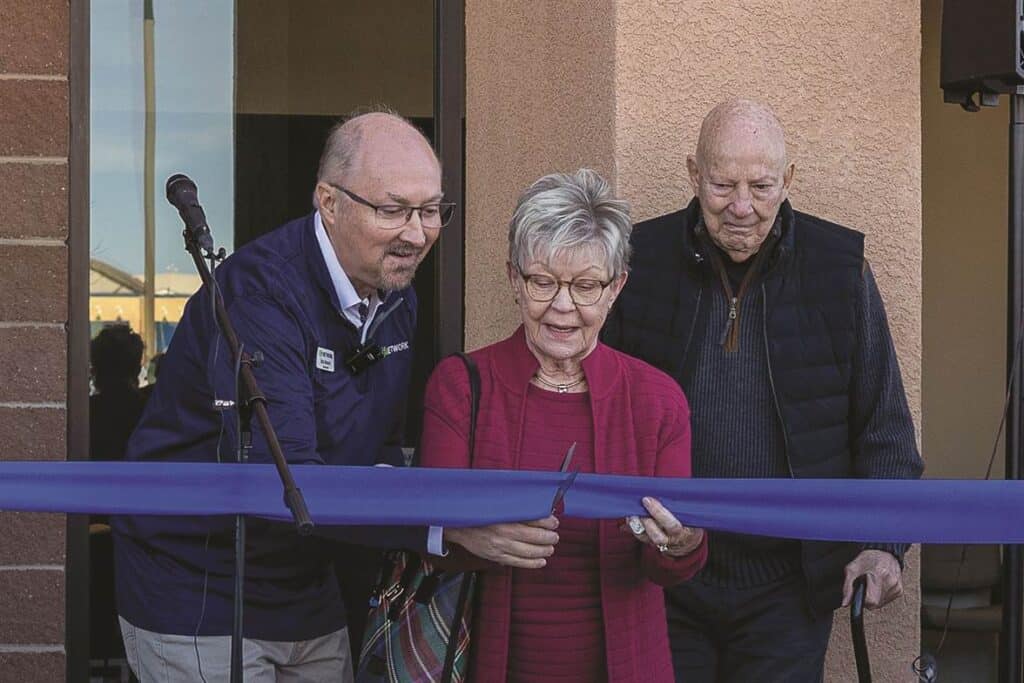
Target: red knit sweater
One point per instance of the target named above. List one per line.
(641, 427)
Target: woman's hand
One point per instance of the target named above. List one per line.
(663, 531)
(523, 545)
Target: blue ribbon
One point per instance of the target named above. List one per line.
(883, 511)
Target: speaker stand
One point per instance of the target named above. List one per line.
(1010, 663)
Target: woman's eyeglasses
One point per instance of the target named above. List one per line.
(582, 291)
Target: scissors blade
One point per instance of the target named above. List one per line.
(568, 457)
(567, 483)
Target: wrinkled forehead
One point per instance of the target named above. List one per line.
(745, 152)
(750, 125)
(382, 158)
(741, 167)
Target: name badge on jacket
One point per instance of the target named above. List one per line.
(324, 359)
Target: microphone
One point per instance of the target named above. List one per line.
(182, 194)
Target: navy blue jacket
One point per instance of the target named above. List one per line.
(281, 301)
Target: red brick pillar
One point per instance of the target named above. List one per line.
(34, 124)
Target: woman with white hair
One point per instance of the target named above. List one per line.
(567, 599)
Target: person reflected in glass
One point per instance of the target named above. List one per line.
(115, 358)
(152, 374)
(563, 598)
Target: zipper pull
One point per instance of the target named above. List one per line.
(729, 323)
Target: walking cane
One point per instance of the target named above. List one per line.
(860, 644)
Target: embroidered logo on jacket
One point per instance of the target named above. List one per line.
(394, 348)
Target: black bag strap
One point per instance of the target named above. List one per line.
(474, 399)
(427, 591)
(468, 578)
(455, 628)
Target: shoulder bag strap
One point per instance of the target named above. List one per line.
(474, 399)
(468, 578)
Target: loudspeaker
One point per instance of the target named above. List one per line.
(981, 49)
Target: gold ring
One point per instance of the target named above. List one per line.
(662, 547)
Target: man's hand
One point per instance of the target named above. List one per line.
(884, 578)
(523, 545)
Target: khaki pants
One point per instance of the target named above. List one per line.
(166, 658)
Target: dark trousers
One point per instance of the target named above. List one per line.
(728, 635)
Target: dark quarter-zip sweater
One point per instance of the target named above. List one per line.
(813, 388)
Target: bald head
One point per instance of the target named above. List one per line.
(348, 139)
(741, 121)
(740, 174)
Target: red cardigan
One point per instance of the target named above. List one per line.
(642, 427)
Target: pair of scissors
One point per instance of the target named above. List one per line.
(557, 506)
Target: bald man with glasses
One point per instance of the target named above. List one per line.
(316, 297)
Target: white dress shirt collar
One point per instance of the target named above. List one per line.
(347, 296)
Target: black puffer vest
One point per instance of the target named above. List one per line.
(809, 294)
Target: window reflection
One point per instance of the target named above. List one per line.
(191, 124)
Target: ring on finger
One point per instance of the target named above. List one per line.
(662, 547)
(636, 526)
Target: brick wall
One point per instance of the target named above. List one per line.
(34, 125)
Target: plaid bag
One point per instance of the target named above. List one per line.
(420, 616)
(418, 630)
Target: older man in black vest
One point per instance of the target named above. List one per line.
(771, 321)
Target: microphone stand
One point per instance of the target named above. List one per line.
(251, 401)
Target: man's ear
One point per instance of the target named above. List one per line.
(694, 172)
(327, 201)
(787, 179)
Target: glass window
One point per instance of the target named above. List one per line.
(162, 102)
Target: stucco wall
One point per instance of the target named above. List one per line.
(844, 79)
(539, 98)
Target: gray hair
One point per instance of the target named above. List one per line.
(562, 212)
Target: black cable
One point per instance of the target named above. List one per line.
(924, 665)
(211, 370)
(202, 614)
(238, 405)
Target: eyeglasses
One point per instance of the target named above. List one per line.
(583, 292)
(394, 216)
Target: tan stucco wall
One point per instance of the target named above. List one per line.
(539, 98)
(964, 171)
(844, 79)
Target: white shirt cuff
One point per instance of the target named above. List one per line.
(435, 541)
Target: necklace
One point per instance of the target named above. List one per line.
(560, 388)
